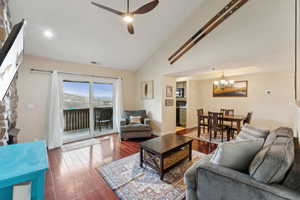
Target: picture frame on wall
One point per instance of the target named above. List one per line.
(169, 91)
(237, 89)
(147, 90)
(169, 102)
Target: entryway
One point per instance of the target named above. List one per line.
(181, 90)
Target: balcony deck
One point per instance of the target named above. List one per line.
(82, 133)
(77, 122)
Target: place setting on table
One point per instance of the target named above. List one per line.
(217, 127)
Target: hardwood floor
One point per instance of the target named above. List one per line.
(72, 174)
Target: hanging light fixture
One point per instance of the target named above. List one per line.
(223, 83)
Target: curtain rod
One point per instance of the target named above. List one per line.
(51, 71)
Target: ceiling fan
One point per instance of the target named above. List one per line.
(128, 16)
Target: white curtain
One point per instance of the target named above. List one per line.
(119, 103)
(56, 120)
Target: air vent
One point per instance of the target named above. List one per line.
(94, 62)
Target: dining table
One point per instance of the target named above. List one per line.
(238, 119)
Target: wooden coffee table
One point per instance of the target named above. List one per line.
(164, 153)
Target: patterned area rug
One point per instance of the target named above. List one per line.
(204, 136)
(130, 182)
(78, 145)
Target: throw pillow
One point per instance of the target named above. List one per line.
(271, 164)
(135, 119)
(237, 154)
(279, 132)
(250, 132)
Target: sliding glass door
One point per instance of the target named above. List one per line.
(89, 108)
(103, 108)
(76, 110)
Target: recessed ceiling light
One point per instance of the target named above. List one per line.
(48, 34)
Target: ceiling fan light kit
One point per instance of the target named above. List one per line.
(128, 16)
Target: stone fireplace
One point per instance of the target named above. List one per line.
(8, 106)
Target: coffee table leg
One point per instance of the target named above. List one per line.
(161, 168)
(141, 157)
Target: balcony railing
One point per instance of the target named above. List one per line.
(78, 119)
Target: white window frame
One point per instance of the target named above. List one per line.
(91, 80)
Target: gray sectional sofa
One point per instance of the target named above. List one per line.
(274, 173)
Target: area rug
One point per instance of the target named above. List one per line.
(131, 182)
(78, 145)
(204, 136)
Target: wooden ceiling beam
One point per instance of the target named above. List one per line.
(212, 20)
(221, 16)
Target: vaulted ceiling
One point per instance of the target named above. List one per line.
(84, 33)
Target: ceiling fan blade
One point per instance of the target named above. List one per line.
(147, 7)
(130, 28)
(108, 9)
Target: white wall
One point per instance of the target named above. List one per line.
(248, 38)
(168, 112)
(194, 97)
(156, 108)
(269, 111)
(33, 90)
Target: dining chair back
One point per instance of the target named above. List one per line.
(248, 118)
(227, 112)
(215, 124)
(200, 113)
(201, 121)
(215, 120)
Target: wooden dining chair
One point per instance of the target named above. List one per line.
(248, 118)
(216, 125)
(229, 124)
(201, 121)
(228, 112)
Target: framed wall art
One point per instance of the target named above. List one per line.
(147, 90)
(237, 89)
(169, 91)
(169, 102)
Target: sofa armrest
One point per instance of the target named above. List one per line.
(147, 121)
(123, 122)
(216, 182)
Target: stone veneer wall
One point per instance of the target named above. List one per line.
(8, 106)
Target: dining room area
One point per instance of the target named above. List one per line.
(221, 126)
(220, 103)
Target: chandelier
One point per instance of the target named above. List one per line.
(223, 83)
